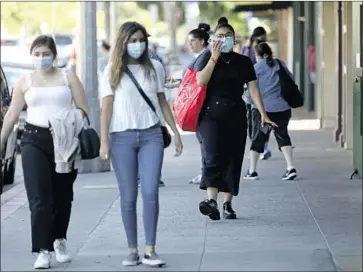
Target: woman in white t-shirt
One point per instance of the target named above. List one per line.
(131, 131)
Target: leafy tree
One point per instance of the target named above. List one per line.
(211, 11)
(16, 15)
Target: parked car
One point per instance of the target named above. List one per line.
(8, 155)
(13, 71)
(64, 43)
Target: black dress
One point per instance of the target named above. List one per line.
(223, 122)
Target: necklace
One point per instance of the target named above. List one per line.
(226, 61)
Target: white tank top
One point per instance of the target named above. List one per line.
(44, 102)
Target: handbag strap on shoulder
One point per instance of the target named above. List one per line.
(138, 87)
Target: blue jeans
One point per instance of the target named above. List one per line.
(133, 153)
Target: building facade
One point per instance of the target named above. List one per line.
(328, 40)
(322, 43)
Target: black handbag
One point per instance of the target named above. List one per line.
(164, 129)
(89, 141)
(289, 90)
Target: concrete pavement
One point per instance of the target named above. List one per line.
(311, 224)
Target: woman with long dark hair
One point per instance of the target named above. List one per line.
(222, 121)
(276, 108)
(198, 43)
(131, 132)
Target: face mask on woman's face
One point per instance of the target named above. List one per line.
(228, 45)
(42, 63)
(135, 50)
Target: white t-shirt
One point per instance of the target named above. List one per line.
(130, 110)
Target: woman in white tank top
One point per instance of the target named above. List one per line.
(46, 91)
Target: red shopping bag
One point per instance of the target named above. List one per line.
(189, 101)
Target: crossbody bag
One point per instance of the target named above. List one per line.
(164, 129)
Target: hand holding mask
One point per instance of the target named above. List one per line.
(227, 43)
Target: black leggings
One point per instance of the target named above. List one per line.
(281, 119)
(50, 194)
(254, 122)
(249, 121)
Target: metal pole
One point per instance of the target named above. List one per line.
(88, 76)
(106, 10)
(113, 21)
(169, 15)
(53, 18)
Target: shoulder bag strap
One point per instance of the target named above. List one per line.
(146, 98)
(282, 68)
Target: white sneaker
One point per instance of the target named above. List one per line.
(196, 180)
(61, 252)
(153, 260)
(43, 260)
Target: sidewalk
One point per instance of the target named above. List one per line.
(311, 224)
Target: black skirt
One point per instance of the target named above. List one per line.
(223, 132)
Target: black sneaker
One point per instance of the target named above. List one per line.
(253, 175)
(290, 174)
(228, 212)
(210, 208)
(161, 183)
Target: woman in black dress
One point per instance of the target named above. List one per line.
(222, 123)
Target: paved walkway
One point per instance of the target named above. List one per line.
(311, 224)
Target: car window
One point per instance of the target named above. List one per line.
(63, 40)
(5, 95)
(13, 74)
(11, 77)
(9, 42)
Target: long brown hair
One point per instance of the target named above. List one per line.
(119, 55)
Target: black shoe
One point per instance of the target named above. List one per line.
(210, 208)
(249, 175)
(290, 174)
(228, 212)
(161, 183)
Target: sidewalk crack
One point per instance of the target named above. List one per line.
(93, 230)
(204, 242)
(332, 256)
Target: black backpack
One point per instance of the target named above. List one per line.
(289, 90)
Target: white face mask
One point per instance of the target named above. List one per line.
(135, 50)
(41, 63)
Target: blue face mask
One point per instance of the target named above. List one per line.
(228, 45)
(135, 50)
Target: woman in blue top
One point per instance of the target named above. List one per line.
(259, 35)
(277, 109)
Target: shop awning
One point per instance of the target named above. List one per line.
(261, 6)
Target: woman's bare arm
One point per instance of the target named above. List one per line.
(205, 74)
(78, 92)
(106, 114)
(256, 97)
